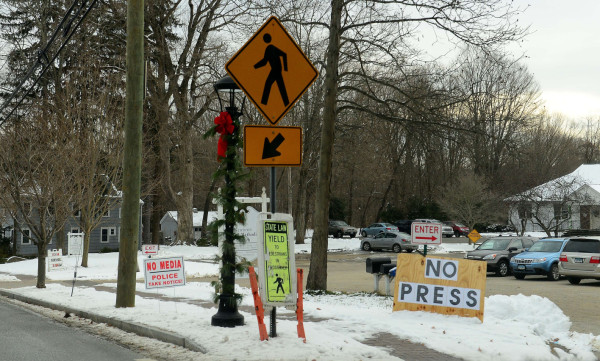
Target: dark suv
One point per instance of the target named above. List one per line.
(403, 225)
(498, 251)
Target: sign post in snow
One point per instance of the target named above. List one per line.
(164, 272)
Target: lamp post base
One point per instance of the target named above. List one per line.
(227, 315)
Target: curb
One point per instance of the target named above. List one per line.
(137, 328)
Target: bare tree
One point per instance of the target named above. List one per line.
(469, 200)
(185, 51)
(94, 108)
(37, 178)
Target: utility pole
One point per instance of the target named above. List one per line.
(132, 160)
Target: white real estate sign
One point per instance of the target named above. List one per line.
(75, 243)
(164, 272)
(426, 233)
(55, 260)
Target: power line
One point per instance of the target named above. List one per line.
(42, 55)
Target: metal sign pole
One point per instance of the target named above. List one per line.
(273, 318)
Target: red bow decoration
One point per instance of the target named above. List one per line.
(225, 127)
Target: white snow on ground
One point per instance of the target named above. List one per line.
(8, 278)
(515, 327)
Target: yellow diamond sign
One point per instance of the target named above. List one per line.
(474, 236)
(272, 70)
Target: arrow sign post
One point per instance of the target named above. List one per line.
(426, 233)
(272, 146)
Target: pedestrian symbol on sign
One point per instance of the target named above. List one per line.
(272, 55)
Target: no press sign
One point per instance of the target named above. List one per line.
(164, 272)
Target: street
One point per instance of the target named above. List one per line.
(26, 335)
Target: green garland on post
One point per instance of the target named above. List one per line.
(227, 125)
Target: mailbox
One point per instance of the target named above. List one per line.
(385, 268)
(374, 264)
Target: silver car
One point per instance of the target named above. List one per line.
(376, 228)
(396, 241)
(580, 259)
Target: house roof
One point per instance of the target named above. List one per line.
(558, 188)
(197, 216)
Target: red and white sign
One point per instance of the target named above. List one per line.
(55, 260)
(426, 233)
(164, 272)
(149, 249)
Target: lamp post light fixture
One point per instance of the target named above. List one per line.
(227, 314)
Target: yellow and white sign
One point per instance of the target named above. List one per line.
(450, 286)
(277, 274)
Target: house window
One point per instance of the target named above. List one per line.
(524, 211)
(27, 208)
(106, 232)
(106, 214)
(75, 230)
(561, 211)
(25, 236)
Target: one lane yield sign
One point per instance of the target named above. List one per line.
(272, 70)
(269, 146)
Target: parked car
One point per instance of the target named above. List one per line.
(539, 259)
(378, 228)
(339, 229)
(580, 259)
(446, 230)
(498, 251)
(458, 228)
(404, 225)
(396, 241)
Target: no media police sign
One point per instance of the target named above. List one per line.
(164, 272)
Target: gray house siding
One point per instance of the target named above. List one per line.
(106, 235)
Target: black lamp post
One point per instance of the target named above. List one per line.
(228, 315)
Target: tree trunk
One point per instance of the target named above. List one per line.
(41, 274)
(300, 215)
(317, 275)
(185, 225)
(155, 217)
(86, 245)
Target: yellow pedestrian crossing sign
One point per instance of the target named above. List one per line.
(276, 260)
(272, 70)
(474, 236)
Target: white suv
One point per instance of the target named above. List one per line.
(580, 259)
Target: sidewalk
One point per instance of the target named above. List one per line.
(391, 344)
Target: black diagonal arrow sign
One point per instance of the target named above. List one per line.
(270, 148)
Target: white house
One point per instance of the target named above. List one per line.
(568, 202)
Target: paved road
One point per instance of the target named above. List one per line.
(25, 335)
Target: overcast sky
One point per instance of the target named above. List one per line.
(563, 53)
